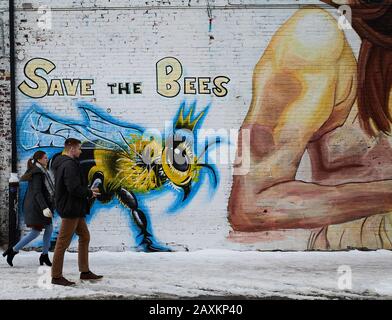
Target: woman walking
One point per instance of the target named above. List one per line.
(38, 206)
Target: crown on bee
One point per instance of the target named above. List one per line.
(188, 122)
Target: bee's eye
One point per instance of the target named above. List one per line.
(181, 152)
(180, 160)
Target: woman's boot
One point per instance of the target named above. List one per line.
(44, 258)
(10, 253)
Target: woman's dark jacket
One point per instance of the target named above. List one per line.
(37, 199)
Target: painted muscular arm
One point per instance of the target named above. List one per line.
(292, 99)
(268, 197)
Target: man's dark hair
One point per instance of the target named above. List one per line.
(71, 142)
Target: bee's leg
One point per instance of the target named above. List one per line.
(97, 182)
(129, 199)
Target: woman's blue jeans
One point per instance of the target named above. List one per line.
(34, 234)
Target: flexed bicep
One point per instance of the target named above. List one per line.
(283, 126)
(278, 134)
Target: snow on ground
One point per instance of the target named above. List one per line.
(205, 273)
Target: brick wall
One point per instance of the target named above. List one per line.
(122, 42)
(5, 127)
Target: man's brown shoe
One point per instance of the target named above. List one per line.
(62, 282)
(89, 276)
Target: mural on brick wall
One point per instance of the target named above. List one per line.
(127, 161)
(304, 99)
(306, 93)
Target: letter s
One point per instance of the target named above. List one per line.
(31, 67)
(220, 90)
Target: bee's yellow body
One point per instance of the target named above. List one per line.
(131, 172)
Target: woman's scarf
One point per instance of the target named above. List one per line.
(48, 180)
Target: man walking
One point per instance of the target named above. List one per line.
(72, 203)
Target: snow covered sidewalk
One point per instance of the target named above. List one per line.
(200, 274)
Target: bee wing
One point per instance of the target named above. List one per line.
(39, 130)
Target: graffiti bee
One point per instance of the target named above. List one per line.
(123, 160)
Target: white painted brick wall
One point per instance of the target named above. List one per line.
(121, 42)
